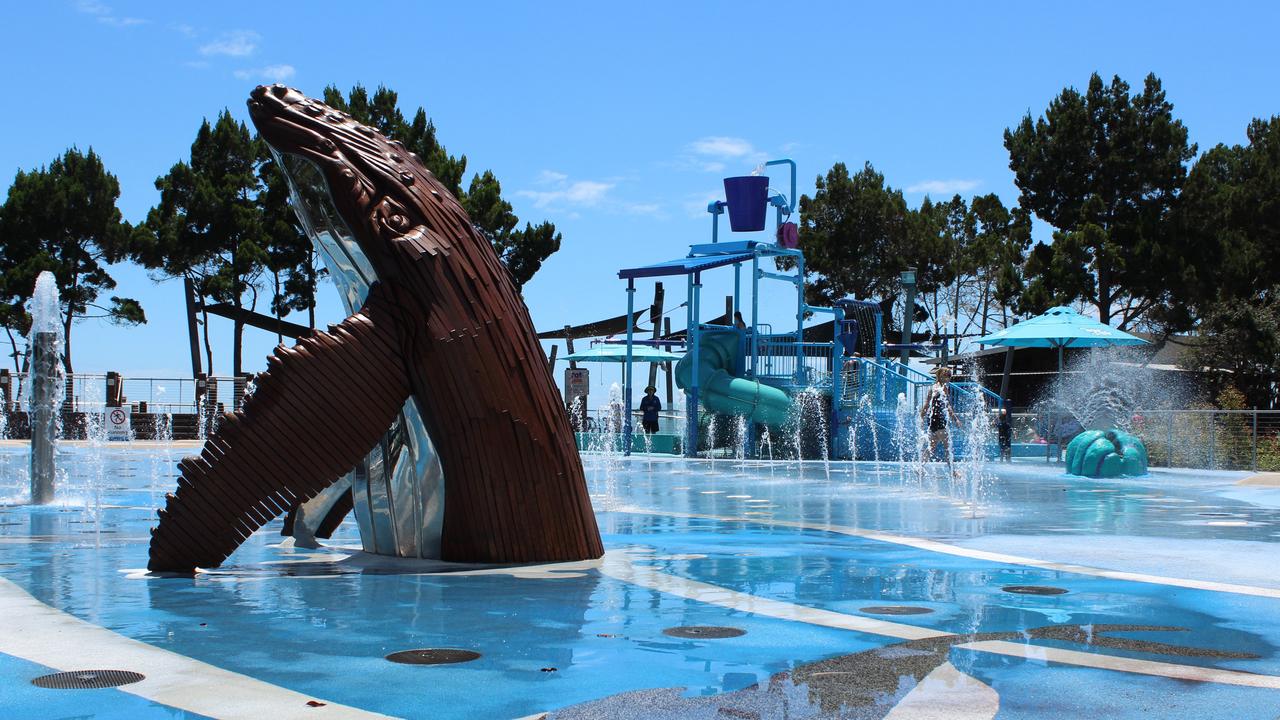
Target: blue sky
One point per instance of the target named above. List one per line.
(615, 122)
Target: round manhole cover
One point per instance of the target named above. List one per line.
(433, 656)
(1034, 590)
(896, 610)
(87, 679)
(711, 632)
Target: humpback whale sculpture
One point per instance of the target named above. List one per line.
(438, 343)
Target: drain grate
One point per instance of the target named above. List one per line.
(896, 610)
(433, 656)
(87, 679)
(1034, 590)
(707, 632)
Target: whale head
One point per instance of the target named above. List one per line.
(354, 190)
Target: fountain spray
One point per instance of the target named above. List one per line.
(46, 383)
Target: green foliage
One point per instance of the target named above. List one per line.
(291, 257)
(854, 233)
(858, 235)
(64, 219)
(210, 226)
(522, 251)
(1000, 251)
(1230, 213)
(1104, 169)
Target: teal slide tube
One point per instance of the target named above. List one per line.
(721, 392)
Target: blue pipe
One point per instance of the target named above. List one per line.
(792, 163)
(692, 334)
(626, 376)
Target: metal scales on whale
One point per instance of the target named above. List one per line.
(430, 411)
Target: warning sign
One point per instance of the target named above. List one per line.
(118, 424)
(577, 381)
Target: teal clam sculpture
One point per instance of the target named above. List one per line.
(1106, 454)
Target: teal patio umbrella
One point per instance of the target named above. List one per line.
(618, 353)
(1060, 327)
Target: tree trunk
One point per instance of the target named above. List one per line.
(208, 349)
(66, 342)
(275, 306)
(13, 343)
(235, 348)
(1104, 296)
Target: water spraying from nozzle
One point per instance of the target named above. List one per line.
(46, 383)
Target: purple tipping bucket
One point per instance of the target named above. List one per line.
(748, 199)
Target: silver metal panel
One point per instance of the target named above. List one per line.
(313, 512)
(398, 489)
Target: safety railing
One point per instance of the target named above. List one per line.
(785, 361)
(172, 396)
(1211, 439)
(886, 379)
(1207, 439)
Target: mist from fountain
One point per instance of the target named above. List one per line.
(740, 438)
(977, 430)
(1104, 387)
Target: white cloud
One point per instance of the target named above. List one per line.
(695, 206)
(722, 147)
(567, 196)
(715, 153)
(270, 73)
(92, 7)
(103, 13)
(650, 209)
(943, 187)
(184, 29)
(583, 193)
(121, 21)
(237, 43)
(551, 177)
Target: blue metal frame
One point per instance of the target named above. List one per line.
(716, 254)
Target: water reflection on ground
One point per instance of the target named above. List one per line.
(696, 543)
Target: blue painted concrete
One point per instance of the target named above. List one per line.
(312, 622)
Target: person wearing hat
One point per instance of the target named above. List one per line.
(649, 407)
(936, 411)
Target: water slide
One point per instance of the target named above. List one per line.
(722, 392)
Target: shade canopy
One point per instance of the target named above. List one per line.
(1058, 328)
(618, 353)
(599, 328)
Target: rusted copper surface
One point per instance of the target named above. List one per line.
(443, 323)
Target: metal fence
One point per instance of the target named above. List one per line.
(174, 396)
(1201, 439)
(791, 363)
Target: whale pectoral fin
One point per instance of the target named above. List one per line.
(316, 412)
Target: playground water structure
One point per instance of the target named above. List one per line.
(837, 395)
(1166, 608)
